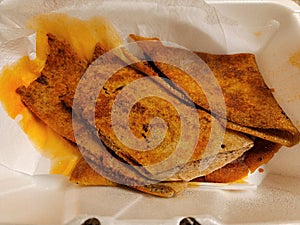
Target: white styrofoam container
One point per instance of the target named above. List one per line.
(51, 199)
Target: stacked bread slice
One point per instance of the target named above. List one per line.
(212, 147)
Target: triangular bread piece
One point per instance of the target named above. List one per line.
(83, 174)
(43, 98)
(250, 161)
(250, 105)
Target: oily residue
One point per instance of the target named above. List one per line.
(83, 36)
(261, 170)
(294, 59)
(257, 33)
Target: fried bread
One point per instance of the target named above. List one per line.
(250, 105)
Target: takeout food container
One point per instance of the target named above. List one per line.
(270, 29)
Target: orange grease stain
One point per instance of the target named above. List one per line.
(295, 59)
(83, 36)
(62, 154)
(257, 34)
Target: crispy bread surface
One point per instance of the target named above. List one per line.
(250, 105)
